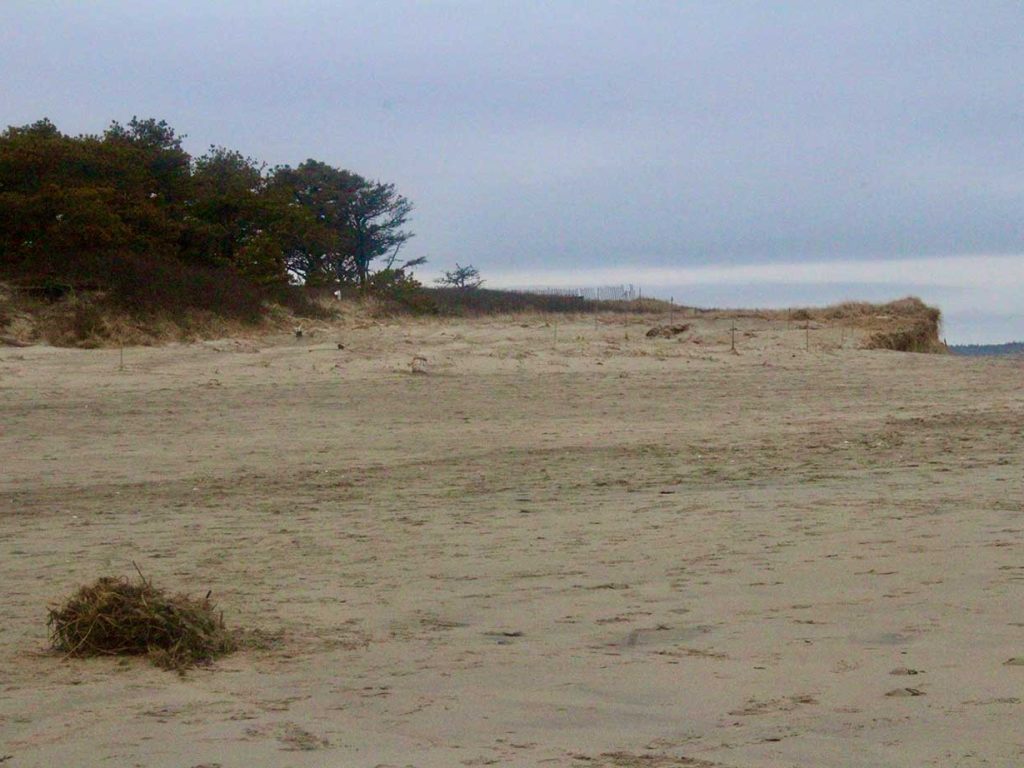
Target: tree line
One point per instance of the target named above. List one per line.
(131, 206)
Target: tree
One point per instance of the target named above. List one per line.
(376, 218)
(67, 202)
(225, 210)
(157, 147)
(129, 213)
(461, 277)
(149, 133)
(365, 220)
(152, 173)
(325, 194)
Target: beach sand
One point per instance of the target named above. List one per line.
(557, 543)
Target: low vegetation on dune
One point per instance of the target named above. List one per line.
(919, 336)
(907, 325)
(904, 325)
(470, 302)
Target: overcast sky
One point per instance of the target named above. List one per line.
(706, 150)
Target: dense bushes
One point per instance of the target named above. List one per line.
(130, 215)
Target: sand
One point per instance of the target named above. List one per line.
(552, 545)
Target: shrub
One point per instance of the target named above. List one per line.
(398, 290)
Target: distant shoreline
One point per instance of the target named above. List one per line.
(980, 350)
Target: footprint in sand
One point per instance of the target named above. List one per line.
(760, 707)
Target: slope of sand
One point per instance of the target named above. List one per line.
(560, 544)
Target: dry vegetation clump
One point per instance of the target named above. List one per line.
(858, 313)
(911, 326)
(906, 325)
(918, 337)
(667, 331)
(116, 616)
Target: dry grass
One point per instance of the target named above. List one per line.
(85, 324)
(87, 321)
(917, 337)
(859, 313)
(115, 616)
(908, 325)
(905, 325)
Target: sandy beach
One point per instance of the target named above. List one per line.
(524, 542)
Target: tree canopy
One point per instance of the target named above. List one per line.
(465, 277)
(74, 208)
(359, 221)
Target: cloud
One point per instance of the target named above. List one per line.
(945, 272)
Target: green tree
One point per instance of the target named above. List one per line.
(224, 207)
(318, 255)
(365, 220)
(154, 148)
(376, 218)
(244, 220)
(65, 201)
(129, 211)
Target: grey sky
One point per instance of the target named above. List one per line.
(582, 135)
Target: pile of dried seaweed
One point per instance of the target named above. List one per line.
(116, 616)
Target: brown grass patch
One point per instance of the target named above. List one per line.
(905, 325)
(909, 326)
(918, 337)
